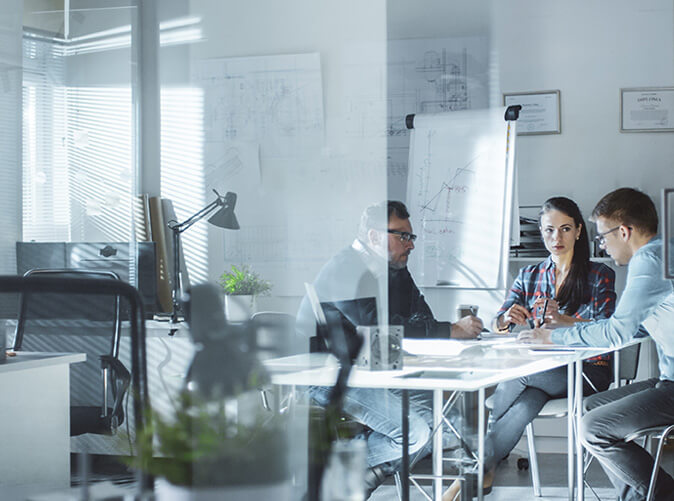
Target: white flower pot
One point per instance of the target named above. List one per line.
(239, 308)
(166, 491)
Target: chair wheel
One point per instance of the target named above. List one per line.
(522, 464)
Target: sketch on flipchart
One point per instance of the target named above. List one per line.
(457, 193)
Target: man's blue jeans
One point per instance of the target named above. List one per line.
(614, 415)
(381, 411)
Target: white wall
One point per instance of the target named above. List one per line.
(588, 50)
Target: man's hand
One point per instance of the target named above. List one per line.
(516, 314)
(467, 328)
(535, 336)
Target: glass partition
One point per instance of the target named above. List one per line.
(249, 146)
(79, 180)
(285, 106)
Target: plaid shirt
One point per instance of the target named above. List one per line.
(539, 280)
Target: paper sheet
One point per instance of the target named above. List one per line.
(435, 347)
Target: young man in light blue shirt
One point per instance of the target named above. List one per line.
(627, 224)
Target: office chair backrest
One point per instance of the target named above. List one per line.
(79, 323)
(274, 333)
(46, 313)
(629, 362)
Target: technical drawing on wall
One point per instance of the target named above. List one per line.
(262, 115)
(431, 76)
(276, 101)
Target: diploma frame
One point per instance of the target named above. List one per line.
(629, 103)
(548, 101)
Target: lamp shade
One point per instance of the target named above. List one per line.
(225, 217)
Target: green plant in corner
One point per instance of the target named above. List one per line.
(242, 281)
(202, 446)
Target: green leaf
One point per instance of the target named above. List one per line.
(244, 281)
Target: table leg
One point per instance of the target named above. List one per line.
(579, 446)
(437, 444)
(405, 474)
(480, 443)
(570, 394)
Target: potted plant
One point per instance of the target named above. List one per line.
(242, 285)
(204, 453)
(217, 442)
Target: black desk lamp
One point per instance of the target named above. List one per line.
(223, 218)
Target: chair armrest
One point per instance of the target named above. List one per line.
(120, 379)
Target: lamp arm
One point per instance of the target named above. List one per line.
(195, 218)
(177, 228)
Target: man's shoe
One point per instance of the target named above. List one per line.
(374, 477)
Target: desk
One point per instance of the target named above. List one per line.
(168, 358)
(35, 419)
(479, 365)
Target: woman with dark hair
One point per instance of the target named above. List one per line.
(576, 290)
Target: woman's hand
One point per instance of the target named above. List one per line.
(516, 314)
(553, 318)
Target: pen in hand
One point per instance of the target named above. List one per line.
(545, 308)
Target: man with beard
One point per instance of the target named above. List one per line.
(354, 282)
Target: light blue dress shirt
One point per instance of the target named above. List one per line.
(647, 299)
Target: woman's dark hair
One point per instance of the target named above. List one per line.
(576, 288)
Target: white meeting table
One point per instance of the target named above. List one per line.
(455, 366)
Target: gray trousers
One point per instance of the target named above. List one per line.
(615, 414)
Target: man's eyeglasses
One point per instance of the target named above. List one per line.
(600, 238)
(404, 235)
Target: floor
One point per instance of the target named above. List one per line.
(512, 484)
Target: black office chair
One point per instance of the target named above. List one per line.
(42, 313)
(274, 334)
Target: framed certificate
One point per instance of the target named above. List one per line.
(540, 112)
(647, 109)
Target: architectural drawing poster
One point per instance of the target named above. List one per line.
(431, 76)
